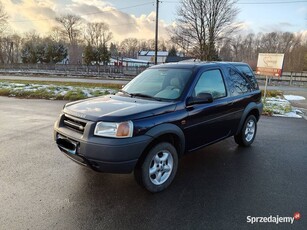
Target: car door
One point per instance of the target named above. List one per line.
(208, 122)
(239, 92)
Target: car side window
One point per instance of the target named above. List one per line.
(249, 74)
(211, 81)
(238, 85)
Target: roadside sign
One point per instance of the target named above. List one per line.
(270, 64)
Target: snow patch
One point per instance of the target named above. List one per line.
(278, 105)
(294, 98)
(290, 114)
(56, 89)
(282, 107)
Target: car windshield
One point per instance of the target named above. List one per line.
(158, 84)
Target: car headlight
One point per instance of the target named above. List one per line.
(114, 129)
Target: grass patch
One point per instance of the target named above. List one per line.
(56, 91)
(4, 92)
(38, 94)
(272, 93)
(275, 103)
(74, 95)
(98, 93)
(267, 111)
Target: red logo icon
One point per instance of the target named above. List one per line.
(297, 215)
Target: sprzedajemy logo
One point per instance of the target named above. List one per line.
(273, 219)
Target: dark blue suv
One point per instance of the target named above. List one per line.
(163, 113)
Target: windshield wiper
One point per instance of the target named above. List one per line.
(125, 92)
(144, 95)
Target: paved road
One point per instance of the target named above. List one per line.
(215, 188)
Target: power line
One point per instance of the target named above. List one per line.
(125, 8)
(269, 3)
(257, 3)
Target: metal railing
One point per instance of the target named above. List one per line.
(76, 70)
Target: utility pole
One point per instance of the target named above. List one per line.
(157, 29)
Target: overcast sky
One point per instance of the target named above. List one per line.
(136, 18)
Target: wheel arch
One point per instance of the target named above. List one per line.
(165, 133)
(251, 109)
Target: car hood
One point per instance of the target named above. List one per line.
(117, 108)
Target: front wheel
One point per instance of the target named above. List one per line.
(248, 133)
(158, 169)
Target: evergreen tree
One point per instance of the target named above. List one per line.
(106, 55)
(28, 53)
(88, 54)
(43, 52)
(172, 52)
(103, 54)
(54, 52)
(113, 50)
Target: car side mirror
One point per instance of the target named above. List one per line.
(201, 98)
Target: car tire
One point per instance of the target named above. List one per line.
(158, 168)
(248, 132)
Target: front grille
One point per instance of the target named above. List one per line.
(73, 123)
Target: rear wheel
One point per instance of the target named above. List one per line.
(248, 133)
(158, 169)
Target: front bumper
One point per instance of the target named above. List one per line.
(101, 154)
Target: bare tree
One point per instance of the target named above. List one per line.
(98, 33)
(32, 36)
(3, 18)
(13, 48)
(70, 24)
(202, 23)
(226, 51)
(129, 47)
(183, 44)
(56, 34)
(71, 29)
(3, 26)
(246, 48)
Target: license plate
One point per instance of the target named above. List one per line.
(66, 144)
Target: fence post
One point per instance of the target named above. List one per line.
(291, 76)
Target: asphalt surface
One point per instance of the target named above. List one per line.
(215, 188)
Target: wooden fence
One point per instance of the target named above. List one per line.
(288, 78)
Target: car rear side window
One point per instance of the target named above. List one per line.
(237, 83)
(212, 82)
(249, 74)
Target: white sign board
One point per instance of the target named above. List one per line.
(270, 64)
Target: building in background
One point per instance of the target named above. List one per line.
(129, 62)
(149, 56)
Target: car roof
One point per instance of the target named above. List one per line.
(197, 64)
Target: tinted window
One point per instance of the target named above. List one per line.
(211, 82)
(249, 74)
(238, 84)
